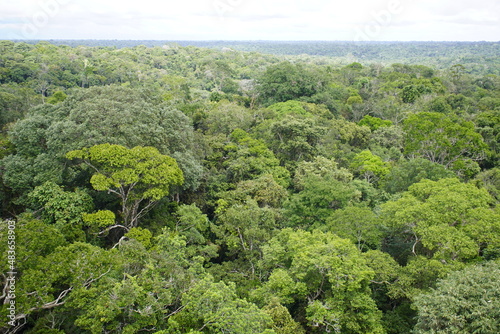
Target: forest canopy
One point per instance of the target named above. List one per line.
(249, 188)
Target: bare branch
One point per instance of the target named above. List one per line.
(113, 227)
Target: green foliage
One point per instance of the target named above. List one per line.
(439, 104)
(100, 219)
(369, 166)
(194, 226)
(57, 97)
(320, 167)
(387, 142)
(141, 235)
(412, 171)
(244, 227)
(490, 180)
(134, 175)
(319, 198)
(53, 280)
(62, 208)
(349, 133)
(211, 307)
(6, 147)
(288, 108)
(356, 99)
(324, 276)
(225, 117)
(467, 301)
(34, 240)
(295, 139)
(286, 81)
(410, 93)
(234, 146)
(112, 114)
(488, 124)
(250, 158)
(358, 224)
(444, 140)
(283, 322)
(445, 218)
(264, 190)
(374, 123)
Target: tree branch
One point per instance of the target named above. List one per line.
(113, 227)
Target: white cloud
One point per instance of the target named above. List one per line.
(251, 19)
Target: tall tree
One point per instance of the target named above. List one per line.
(139, 176)
(446, 140)
(323, 277)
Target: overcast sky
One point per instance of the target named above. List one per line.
(378, 20)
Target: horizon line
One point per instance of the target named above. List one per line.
(246, 40)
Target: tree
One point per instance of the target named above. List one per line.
(488, 124)
(290, 107)
(447, 220)
(387, 142)
(318, 199)
(490, 180)
(467, 301)
(264, 190)
(225, 117)
(140, 176)
(369, 166)
(88, 117)
(63, 208)
(242, 229)
(50, 283)
(321, 167)
(295, 139)
(283, 322)
(286, 81)
(374, 123)
(249, 158)
(412, 171)
(358, 224)
(322, 276)
(446, 140)
(210, 307)
(140, 294)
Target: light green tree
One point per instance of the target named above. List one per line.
(323, 276)
(446, 219)
(369, 166)
(211, 307)
(408, 172)
(321, 167)
(139, 176)
(249, 158)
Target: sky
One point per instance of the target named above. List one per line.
(330, 20)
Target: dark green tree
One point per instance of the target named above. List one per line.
(467, 301)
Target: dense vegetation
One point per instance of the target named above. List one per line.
(477, 57)
(170, 189)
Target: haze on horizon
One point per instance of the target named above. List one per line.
(373, 20)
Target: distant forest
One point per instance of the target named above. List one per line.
(479, 57)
